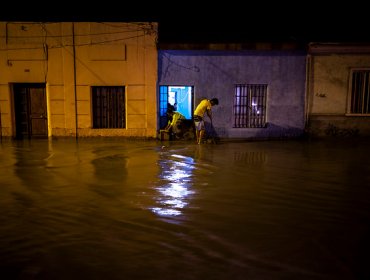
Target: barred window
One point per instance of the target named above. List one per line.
(249, 109)
(360, 92)
(108, 105)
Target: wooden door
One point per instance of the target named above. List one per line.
(30, 111)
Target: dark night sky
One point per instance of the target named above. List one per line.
(197, 22)
(237, 24)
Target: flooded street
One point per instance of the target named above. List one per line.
(134, 209)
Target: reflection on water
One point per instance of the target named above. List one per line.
(175, 184)
(251, 157)
(107, 208)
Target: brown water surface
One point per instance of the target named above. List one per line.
(124, 209)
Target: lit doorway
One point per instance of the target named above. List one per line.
(181, 97)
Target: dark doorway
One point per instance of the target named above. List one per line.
(30, 111)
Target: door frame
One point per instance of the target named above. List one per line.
(29, 110)
(168, 95)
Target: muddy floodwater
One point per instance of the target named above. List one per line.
(137, 209)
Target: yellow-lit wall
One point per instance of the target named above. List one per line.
(70, 58)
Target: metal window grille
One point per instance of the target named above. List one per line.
(360, 94)
(163, 101)
(108, 107)
(250, 106)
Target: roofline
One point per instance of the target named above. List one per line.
(338, 48)
(260, 46)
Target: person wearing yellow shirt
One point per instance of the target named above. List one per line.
(204, 107)
(174, 123)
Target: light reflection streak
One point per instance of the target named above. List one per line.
(175, 185)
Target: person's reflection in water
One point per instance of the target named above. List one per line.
(174, 185)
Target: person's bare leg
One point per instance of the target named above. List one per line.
(201, 134)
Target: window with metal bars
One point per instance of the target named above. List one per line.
(360, 92)
(249, 109)
(108, 106)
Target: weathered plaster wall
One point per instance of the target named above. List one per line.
(328, 95)
(70, 58)
(215, 74)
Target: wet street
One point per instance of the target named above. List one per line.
(137, 209)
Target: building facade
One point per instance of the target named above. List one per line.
(338, 89)
(78, 79)
(261, 93)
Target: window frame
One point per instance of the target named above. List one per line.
(350, 92)
(243, 115)
(109, 110)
